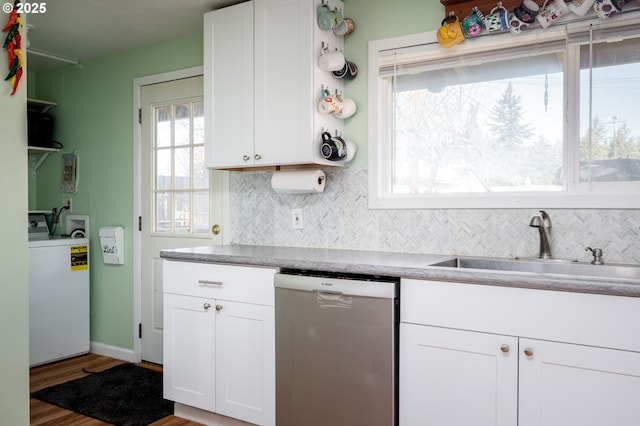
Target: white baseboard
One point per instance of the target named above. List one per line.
(205, 417)
(112, 351)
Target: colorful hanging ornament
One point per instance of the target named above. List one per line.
(13, 45)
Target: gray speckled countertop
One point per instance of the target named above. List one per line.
(405, 265)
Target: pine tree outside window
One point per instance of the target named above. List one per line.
(544, 121)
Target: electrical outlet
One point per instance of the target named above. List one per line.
(296, 219)
(67, 204)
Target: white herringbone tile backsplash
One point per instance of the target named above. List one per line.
(339, 218)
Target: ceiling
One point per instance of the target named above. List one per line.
(81, 30)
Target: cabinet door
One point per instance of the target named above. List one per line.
(452, 377)
(228, 86)
(245, 362)
(284, 98)
(189, 360)
(563, 384)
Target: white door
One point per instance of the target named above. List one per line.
(181, 200)
(453, 377)
(563, 384)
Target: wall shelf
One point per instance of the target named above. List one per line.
(40, 105)
(461, 8)
(37, 162)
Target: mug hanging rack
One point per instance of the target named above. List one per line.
(462, 8)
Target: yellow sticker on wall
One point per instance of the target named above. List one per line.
(79, 258)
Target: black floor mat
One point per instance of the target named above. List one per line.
(124, 395)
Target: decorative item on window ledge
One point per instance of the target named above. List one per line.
(519, 17)
(13, 44)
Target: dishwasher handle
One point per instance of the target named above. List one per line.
(333, 292)
(332, 285)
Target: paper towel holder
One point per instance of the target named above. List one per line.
(306, 181)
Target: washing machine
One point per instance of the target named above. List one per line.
(58, 294)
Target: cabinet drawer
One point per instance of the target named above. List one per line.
(587, 319)
(226, 282)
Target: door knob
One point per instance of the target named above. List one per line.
(215, 229)
(206, 306)
(504, 348)
(528, 352)
(218, 308)
(258, 157)
(245, 157)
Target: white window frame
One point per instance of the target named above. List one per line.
(618, 195)
(172, 191)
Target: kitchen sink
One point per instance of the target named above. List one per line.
(545, 266)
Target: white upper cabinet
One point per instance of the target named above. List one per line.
(262, 84)
(228, 97)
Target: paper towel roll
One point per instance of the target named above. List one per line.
(298, 181)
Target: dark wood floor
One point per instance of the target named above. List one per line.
(62, 371)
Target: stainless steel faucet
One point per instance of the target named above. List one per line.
(597, 255)
(543, 223)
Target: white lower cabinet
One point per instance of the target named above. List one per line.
(454, 377)
(453, 373)
(219, 340)
(563, 384)
(245, 362)
(189, 351)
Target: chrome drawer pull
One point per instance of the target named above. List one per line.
(207, 282)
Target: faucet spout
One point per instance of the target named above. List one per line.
(543, 223)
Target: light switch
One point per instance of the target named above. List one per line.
(296, 219)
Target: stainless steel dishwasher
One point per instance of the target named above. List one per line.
(336, 349)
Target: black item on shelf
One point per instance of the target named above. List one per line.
(40, 130)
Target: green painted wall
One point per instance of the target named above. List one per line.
(95, 118)
(14, 298)
(375, 20)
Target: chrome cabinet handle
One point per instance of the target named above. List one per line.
(218, 308)
(206, 306)
(258, 157)
(528, 352)
(504, 348)
(246, 157)
(208, 282)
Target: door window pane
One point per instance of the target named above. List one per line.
(163, 169)
(182, 213)
(163, 126)
(163, 212)
(181, 181)
(183, 124)
(201, 212)
(200, 172)
(198, 123)
(182, 168)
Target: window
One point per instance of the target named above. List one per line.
(547, 119)
(181, 186)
